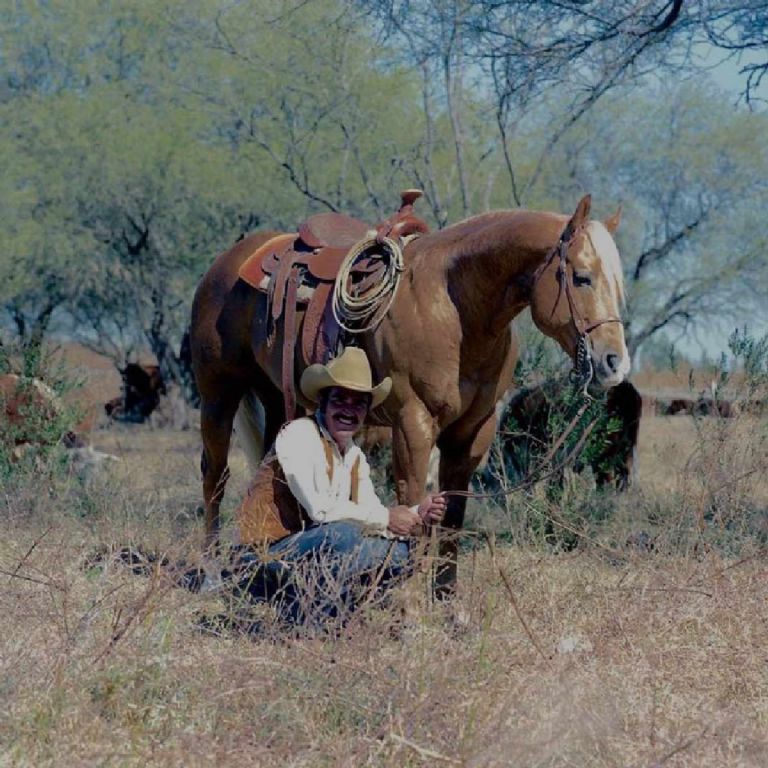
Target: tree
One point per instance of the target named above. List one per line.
(739, 29)
(40, 241)
(342, 126)
(116, 195)
(160, 203)
(519, 53)
(691, 173)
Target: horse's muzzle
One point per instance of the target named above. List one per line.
(611, 367)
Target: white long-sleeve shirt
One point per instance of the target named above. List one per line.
(302, 456)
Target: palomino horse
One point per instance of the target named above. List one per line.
(446, 342)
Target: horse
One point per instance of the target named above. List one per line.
(446, 341)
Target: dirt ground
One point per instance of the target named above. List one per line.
(606, 654)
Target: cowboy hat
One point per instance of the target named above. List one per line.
(350, 370)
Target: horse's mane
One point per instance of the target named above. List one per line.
(606, 249)
(539, 222)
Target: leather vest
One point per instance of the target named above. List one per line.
(270, 512)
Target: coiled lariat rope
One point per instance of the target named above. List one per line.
(361, 300)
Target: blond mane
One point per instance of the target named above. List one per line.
(608, 253)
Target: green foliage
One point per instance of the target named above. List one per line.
(752, 353)
(143, 139)
(582, 435)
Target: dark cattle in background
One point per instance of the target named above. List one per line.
(527, 434)
(142, 387)
(701, 406)
(679, 405)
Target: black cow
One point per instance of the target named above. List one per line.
(535, 417)
(142, 387)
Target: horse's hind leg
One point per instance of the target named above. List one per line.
(217, 414)
(274, 412)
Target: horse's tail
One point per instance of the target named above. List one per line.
(250, 424)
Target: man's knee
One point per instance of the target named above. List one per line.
(343, 535)
(350, 541)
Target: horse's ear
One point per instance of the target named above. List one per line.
(581, 215)
(612, 222)
(579, 218)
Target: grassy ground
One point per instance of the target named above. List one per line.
(645, 645)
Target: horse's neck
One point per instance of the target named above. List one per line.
(490, 278)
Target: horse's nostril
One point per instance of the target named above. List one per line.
(612, 362)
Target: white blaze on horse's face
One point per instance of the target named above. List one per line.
(596, 288)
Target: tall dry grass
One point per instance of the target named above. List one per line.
(595, 631)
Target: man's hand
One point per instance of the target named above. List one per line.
(432, 509)
(404, 522)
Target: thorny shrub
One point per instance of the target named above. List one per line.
(33, 444)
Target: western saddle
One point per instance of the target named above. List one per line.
(302, 269)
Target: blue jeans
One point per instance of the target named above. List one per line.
(322, 574)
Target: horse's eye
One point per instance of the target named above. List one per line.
(581, 280)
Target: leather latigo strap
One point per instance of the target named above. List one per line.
(280, 283)
(289, 344)
(314, 341)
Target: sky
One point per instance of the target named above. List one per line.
(725, 72)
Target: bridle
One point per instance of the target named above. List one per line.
(583, 370)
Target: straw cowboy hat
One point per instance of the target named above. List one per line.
(350, 370)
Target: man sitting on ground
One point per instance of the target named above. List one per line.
(313, 509)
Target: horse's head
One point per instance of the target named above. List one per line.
(577, 297)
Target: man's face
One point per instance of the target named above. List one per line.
(345, 411)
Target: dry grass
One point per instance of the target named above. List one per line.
(607, 655)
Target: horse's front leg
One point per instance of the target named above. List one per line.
(458, 460)
(413, 437)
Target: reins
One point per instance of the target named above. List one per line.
(535, 476)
